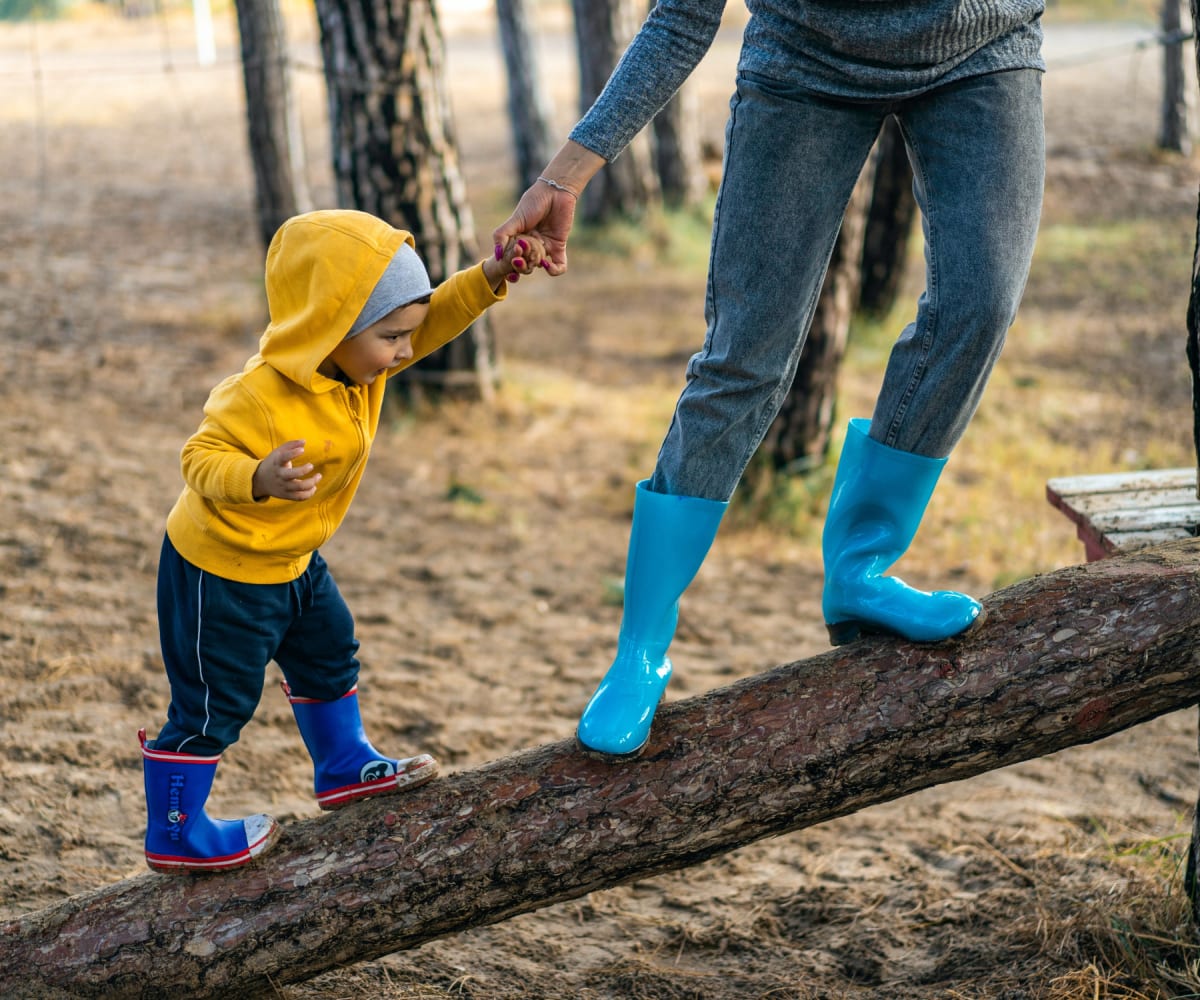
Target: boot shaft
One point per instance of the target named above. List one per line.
(878, 500)
(177, 787)
(668, 542)
(180, 836)
(332, 731)
(345, 764)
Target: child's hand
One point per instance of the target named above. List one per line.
(521, 256)
(275, 476)
(524, 253)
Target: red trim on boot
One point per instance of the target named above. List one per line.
(169, 863)
(173, 756)
(414, 771)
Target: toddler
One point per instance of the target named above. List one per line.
(269, 475)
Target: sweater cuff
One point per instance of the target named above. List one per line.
(239, 480)
(478, 292)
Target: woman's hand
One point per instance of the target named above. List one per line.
(546, 213)
(547, 208)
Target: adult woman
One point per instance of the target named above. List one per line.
(815, 82)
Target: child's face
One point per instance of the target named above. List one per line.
(382, 345)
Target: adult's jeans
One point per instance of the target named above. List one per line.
(792, 158)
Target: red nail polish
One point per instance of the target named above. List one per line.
(518, 262)
(499, 251)
(511, 277)
(523, 245)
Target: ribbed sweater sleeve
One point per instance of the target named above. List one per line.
(851, 49)
(661, 56)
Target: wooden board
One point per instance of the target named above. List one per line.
(1122, 511)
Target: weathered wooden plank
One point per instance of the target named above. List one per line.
(1148, 519)
(1110, 482)
(1127, 541)
(1116, 511)
(1101, 503)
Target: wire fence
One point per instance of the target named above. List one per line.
(173, 60)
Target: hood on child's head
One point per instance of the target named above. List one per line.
(321, 269)
(404, 280)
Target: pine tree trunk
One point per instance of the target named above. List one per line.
(276, 146)
(677, 150)
(395, 154)
(528, 109)
(1192, 873)
(889, 223)
(1064, 658)
(1193, 309)
(1173, 133)
(799, 437)
(603, 28)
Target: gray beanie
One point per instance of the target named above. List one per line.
(405, 280)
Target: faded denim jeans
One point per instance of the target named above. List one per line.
(791, 161)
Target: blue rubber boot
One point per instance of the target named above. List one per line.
(180, 836)
(669, 539)
(345, 765)
(879, 497)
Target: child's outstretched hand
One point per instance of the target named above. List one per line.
(275, 476)
(522, 255)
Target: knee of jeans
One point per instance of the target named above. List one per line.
(994, 317)
(989, 307)
(714, 378)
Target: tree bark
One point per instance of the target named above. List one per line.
(603, 28)
(889, 223)
(1192, 872)
(1193, 312)
(799, 437)
(1173, 131)
(1064, 658)
(677, 159)
(528, 109)
(1192, 866)
(395, 154)
(272, 118)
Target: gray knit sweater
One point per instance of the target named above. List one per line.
(856, 49)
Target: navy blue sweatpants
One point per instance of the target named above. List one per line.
(218, 636)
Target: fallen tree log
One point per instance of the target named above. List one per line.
(1063, 659)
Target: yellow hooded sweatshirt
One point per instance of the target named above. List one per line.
(321, 268)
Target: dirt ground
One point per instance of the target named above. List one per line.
(483, 550)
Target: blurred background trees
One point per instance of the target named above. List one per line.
(394, 153)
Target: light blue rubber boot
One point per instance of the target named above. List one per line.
(669, 539)
(879, 497)
(180, 836)
(345, 765)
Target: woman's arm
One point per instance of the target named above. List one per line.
(661, 56)
(547, 208)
